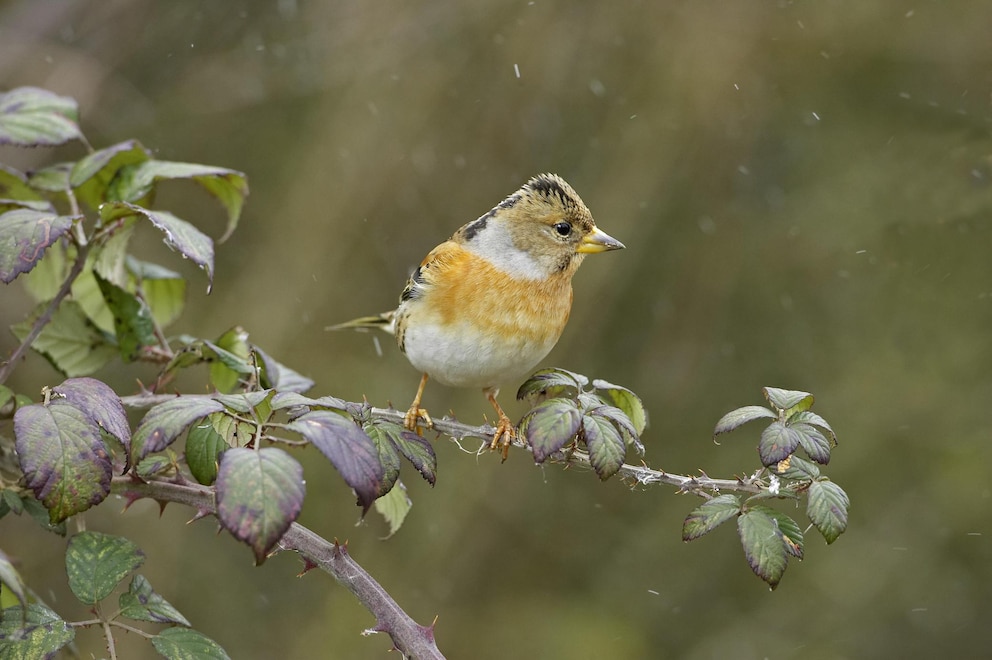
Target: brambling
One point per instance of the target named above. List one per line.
(487, 305)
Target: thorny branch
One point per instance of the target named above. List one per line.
(702, 485)
(409, 637)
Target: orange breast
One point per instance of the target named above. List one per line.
(469, 289)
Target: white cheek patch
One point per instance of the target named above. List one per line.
(495, 244)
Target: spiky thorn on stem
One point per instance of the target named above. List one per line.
(410, 638)
(702, 485)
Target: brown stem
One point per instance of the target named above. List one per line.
(46, 316)
(409, 637)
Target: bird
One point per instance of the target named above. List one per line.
(488, 304)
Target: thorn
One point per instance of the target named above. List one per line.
(308, 565)
(200, 513)
(129, 499)
(161, 507)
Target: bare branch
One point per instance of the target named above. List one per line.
(409, 637)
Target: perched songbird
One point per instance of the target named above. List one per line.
(489, 303)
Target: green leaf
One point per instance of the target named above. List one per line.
(229, 187)
(256, 403)
(623, 423)
(419, 452)
(551, 383)
(550, 425)
(348, 448)
(710, 515)
(33, 117)
(53, 179)
(163, 423)
(100, 403)
(259, 495)
(156, 464)
(763, 545)
(133, 323)
(70, 341)
(63, 457)
(792, 535)
(741, 416)
(625, 400)
(143, 603)
(180, 235)
(279, 376)
(393, 507)
(46, 278)
(40, 515)
(382, 433)
(96, 563)
(814, 443)
(25, 235)
(809, 417)
(800, 469)
(187, 644)
(778, 442)
(827, 508)
(37, 632)
(235, 342)
(91, 176)
(14, 186)
(606, 447)
(10, 578)
(87, 294)
(41, 205)
(204, 445)
(289, 400)
(788, 401)
(162, 289)
(13, 500)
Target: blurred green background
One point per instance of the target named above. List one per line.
(804, 192)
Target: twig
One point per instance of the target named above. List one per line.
(642, 474)
(409, 637)
(46, 316)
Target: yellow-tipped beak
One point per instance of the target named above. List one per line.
(599, 241)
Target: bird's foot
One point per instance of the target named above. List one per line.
(413, 416)
(504, 435)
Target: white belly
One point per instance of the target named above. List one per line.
(459, 359)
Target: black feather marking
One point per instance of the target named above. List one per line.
(412, 288)
(471, 229)
(507, 203)
(549, 186)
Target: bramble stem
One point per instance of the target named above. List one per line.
(46, 316)
(702, 485)
(409, 637)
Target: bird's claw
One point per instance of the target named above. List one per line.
(503, 436)
(412, 418)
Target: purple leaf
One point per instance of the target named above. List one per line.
(259, 495)
(348, 447)
(25, 234)
(101, 403)
(163, 423)
(63, 457)
(550, 425)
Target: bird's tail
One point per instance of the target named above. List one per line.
(382, 321)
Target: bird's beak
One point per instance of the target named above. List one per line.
(598, 241)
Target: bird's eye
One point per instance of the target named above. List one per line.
(563, 228)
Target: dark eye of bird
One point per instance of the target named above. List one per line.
(563, 228)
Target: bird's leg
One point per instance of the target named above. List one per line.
(416, 412)
(505, 432)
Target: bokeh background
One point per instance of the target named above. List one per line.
(804, 192)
